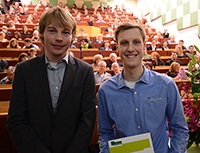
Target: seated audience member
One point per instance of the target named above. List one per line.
(28, 44)
(156, 61)
(2, 18)
(156, 38)
(100, 20)
(190, 51)
(32, 52)
(25, 31)
(151, 35)
(36, 36)
(29, 20)
(145, 54)
(115, 67)
(153, 45)
(165, 45)
(99, 39)
(88, 38)
(5, 30)
(2, 9)
(101, 73)
(3, 65)
(22, 57)
(173, 69)
(172, 40)
(174, 56)
(73, 47)
(148, 65)
(91, 21)
(81, 34)
(78, 18)
(2, 37)
(96, 59)
(113, 59)
(10, 75)
(109, 27)
(17, 35)
(181, 43)
(22, 12)
(111, 33)
(13, 44)
(105, 46)
(179, 50)
(159, 35)
(12, 24)
(16, 21)
(12, 11)
(165, 34)
(85, 44)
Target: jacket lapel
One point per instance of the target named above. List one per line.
(68, 76)
(43, 79)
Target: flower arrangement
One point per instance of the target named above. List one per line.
(191, 97)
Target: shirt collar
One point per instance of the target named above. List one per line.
(144, 78)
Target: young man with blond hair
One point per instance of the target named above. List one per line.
(52, 107)
(139, 100)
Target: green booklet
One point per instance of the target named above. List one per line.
(141, 143)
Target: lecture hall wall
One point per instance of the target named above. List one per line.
(180, 17)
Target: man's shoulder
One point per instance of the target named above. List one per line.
(110, 83)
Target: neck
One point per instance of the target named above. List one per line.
(55, 59)
(133, 74)
(101, 72)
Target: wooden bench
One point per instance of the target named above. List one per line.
(5, 92)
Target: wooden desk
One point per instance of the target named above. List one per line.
(5, 92)
(91, 30)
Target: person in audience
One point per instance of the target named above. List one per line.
(91, 21)
(165, 45)
(11, 24)
(88, 38)
(99, 39)
(159, 35)
(179, 50)
(173, 69)
(100, 20)
(96, 59)
(109, 27)
(166, 34)
(113, 59)
(116, 68)
(157, 40)
(7, 4)
(22, 11)
(16, 21)
(2, 37)
(106, 46)
(2, 18)
(10, 76)
(36, 36)
(44, 102)
(3, 65)
(2, 9)
(190, 51)
(17, 35)
(72, 46)
(153, 45)
(32, 53)
(174, 56)
(12, 11)
(22, 57)
(138, 100)
(84, 44)
(156, 61)
(101, 73)
(181, 43)
(172, 40)
(5, 30)
(111, 33)
(145, 54)
(29, 20)
(148, 65)
(13, 44)
(25, 31)
(81, 34)
(78, 18)
(151, 35)
(28, 44)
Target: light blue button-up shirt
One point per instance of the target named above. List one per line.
(141, 110)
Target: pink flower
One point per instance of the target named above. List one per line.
(181, 75)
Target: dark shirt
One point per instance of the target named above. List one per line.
(90, 23)
(160, 63)
(150, 47)
(185, 56)
(3, 65)
(25, 33)
(165, 35)
(184, 48)
(169, 62)
(8, 33)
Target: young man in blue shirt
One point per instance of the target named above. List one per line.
(139, 100)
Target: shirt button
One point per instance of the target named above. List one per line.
(135, 93)
(56, 71)
(138, 127)
(56, 87)
(136, 109)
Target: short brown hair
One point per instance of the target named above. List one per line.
(127, 26)
(59, 16)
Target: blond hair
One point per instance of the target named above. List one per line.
(173, 66)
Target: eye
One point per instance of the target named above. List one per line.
(51, 30)
(123, 43)
(66, 32)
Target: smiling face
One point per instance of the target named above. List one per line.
(57, 40)
(130, 47)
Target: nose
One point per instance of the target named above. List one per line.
(59, 37)
(131, 47)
